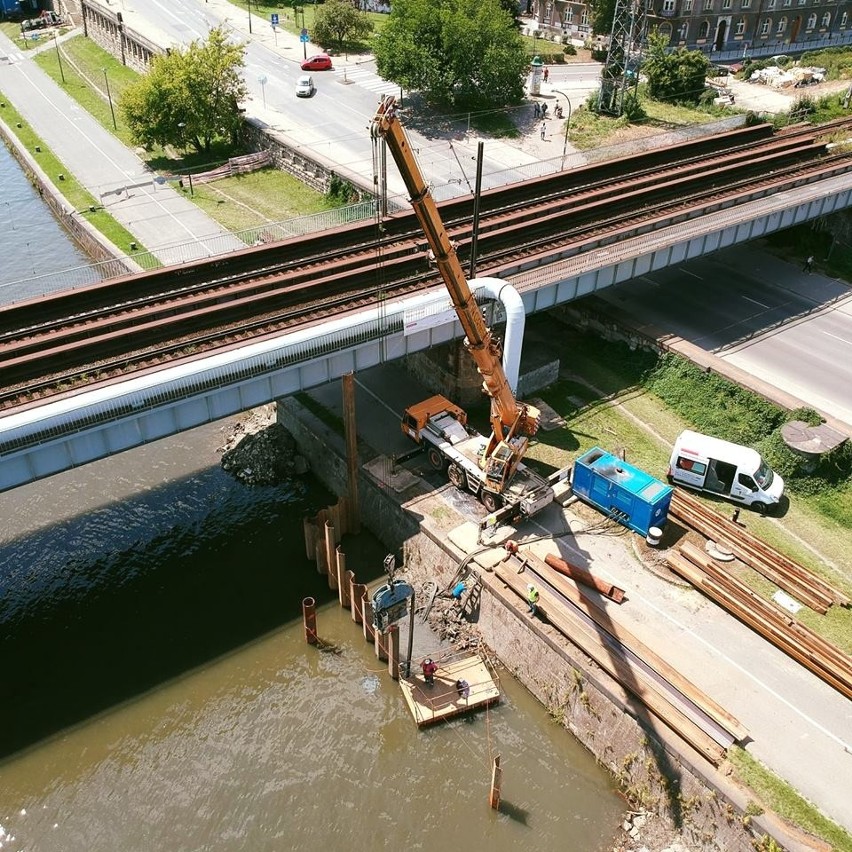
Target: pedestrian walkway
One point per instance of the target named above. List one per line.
(366, 79)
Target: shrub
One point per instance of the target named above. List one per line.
(570, 50)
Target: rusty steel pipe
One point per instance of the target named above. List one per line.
(309, 619)
(580, 575)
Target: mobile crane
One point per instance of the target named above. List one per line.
(490, 468)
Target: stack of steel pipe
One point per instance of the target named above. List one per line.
(787, 574)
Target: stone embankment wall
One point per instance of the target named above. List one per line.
(91, 241)
(658, 773)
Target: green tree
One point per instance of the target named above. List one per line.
(339, 21)
(463, 52)
(188, 97)
(678, 76)
(603, 13)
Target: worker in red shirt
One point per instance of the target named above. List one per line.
(429, 668)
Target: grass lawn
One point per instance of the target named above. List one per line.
(251, 200)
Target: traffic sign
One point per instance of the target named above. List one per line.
(304, 33)
(304, 36)
(274, 18)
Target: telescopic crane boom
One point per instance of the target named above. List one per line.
(511, 421)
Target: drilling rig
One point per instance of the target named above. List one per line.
(490, 468)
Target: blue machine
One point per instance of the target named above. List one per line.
(621, 491)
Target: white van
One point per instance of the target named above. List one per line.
(736, 472)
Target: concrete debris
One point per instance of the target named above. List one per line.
(449, 620)
(258, 452)
(782, 78)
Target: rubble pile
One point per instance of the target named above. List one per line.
(449, 619)
(262, 454)
(782, 78)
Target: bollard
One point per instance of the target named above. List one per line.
(358, 592)
(309, 619)
(330, 555)
(496, 780)
(393, 651)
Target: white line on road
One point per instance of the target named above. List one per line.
(699, 277)
(841, 339)
(754, 301)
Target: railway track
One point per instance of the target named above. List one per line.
(105, 331)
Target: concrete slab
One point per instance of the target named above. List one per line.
(393, 476)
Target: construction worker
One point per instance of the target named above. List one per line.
(429, 668)
(532, 598)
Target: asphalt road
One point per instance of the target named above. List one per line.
(784, 326)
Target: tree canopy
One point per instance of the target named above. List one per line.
(603, 12)
(677, 76)
(339, 21)
(188, 97)
(462, 52)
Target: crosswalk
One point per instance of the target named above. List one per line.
(367, 80)
(11, 58)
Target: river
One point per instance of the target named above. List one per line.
(158, 693)
(34, 243)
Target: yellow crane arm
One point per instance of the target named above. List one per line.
(508, 417)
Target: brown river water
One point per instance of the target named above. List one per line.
(158, 693)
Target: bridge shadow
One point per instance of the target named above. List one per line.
(102, 607)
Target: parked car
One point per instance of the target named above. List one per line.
(305, 86)
(320, 62)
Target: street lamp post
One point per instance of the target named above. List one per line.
(248, 4)
(567, 127)
(59, 57)
(109, 98)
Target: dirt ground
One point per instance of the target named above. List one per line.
(759, 97)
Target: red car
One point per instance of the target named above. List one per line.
(320, 62)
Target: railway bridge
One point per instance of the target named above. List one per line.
(93, 372)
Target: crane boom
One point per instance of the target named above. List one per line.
(511, 421)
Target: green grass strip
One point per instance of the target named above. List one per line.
(781, 798)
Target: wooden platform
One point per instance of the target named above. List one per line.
(441, 700)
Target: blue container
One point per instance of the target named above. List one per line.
(621, 491)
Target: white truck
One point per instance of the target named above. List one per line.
(440, 427)
(735, 472)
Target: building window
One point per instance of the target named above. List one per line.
(788, 2)
(668, 5)
(703, 30)
(764, 27)
(726, 4)
(770, 4)
(811, 21)
(782, 26)
(740, 26)
(708, 5)
(826, 21)
(745, 4)
(843, 20)
(584, 19)
(683, 32)
(687, 6)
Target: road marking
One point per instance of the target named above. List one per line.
(699, 277)
(754, 301)
(841, 339)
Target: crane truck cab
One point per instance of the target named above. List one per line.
(735, 472)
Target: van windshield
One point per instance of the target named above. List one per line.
(764, 475)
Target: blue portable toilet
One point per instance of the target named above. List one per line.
(621, 491)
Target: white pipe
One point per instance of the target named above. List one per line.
(515, 320)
